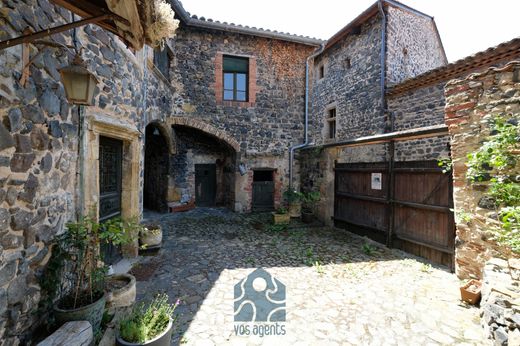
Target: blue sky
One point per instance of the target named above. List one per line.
(465, 26)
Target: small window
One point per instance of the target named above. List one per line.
(236, 71)
(331, 123)
(321, 72)
(347, 63)
(161, 60)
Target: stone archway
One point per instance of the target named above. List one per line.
(204, 127)
(203, 169)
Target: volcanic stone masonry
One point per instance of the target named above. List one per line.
(470, 103)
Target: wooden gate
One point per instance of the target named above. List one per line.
(408, 207)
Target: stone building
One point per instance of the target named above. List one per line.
(210, 118)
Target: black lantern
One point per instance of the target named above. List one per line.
(78, 82)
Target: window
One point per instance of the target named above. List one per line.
(348, 64)
(331, 123)
(236, 78)
(321, 72)
(161, 60)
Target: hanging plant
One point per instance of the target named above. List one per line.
(164, 24)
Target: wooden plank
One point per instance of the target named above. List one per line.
(76, 333)
(424, 206)
(419, 242)
(362, 198)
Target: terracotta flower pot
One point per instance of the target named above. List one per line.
(471, 291)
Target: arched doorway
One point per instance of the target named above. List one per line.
(156, 164)
(203, 168)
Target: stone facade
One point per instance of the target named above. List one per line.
(41, 136)
(413, 45)
(350, 83)
(49, 149)
(470, 103)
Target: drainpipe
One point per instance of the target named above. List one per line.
(383, 64)
(391, 144)
(306, 130)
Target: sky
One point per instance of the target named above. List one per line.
(465, 26)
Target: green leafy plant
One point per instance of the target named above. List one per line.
(292, 196)
(446, 164)
(277, 228)
(368, 249)
(281, 211)
(75, 272)
(147, 321)
(463, 216)
(309, 199)
(494, 162)
(509, 232)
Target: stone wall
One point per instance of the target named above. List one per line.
(470, 102)
(279, 90)
(39, 144)
(193, 147)
(413, 45)
(350, 83)
(499, 306)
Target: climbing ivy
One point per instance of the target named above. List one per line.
(494, 161)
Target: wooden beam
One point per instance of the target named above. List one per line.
(40, 34)
(85, 9)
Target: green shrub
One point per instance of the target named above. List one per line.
(147, 321)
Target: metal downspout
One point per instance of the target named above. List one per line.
(306, 129)
(391, 144)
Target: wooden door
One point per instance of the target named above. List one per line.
(110, 178)
(205, 185)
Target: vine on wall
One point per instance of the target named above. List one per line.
(496, 162)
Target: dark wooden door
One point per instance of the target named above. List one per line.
(110, 179)
(263, 195)
(419, 217)
(205, 185)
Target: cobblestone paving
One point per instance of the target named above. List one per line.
(341, 289)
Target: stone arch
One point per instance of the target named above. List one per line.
(205, 127)
(166, 132)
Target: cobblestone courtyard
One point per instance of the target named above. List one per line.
(341, 288)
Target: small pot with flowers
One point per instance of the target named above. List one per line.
(149, 324)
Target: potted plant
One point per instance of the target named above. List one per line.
(471, 291)
(148, 324)
(293, 198)
(150, 236)
(120, 290)
(281, 216)
(74, 278)
(309, 200)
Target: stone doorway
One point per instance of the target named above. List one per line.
(203, 168)
(156, 164)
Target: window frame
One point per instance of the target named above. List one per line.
(235, 85)
(332, 128)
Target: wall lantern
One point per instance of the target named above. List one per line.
(78, 82)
